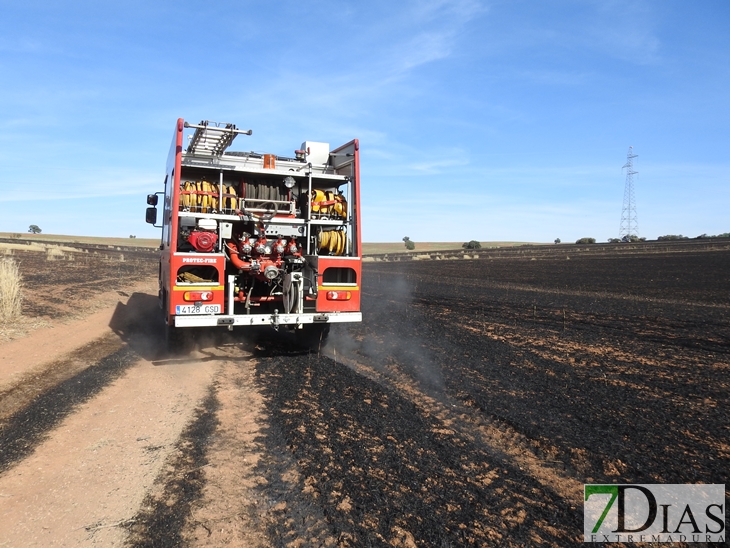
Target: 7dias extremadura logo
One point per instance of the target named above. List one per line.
(654, 513)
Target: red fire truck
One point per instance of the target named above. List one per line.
(252, 239)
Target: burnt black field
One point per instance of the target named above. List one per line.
(607, 369)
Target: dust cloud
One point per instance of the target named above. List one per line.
(400, 358)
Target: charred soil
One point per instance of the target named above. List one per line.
(468, 409)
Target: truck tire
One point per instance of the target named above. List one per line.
(313, 336)
(175, 341)
(178, 342)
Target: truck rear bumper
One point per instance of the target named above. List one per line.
(274, 320)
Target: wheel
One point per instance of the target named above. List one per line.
(313, 336)
(175, 341)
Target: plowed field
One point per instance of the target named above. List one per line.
(468, 409)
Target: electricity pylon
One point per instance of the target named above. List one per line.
(629, 228)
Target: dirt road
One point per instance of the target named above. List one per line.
(106, 441)
(86, 430)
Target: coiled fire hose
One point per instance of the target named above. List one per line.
(332, 241)
(202, 197)
(328, 203)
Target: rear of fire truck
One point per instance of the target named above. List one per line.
(253, 239)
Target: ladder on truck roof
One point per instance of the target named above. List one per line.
(212, 138)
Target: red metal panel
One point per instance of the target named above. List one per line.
(355, 144)
(174, 163)
(179, 260)
(353, 305)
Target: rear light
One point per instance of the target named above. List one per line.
(338, 295)
(193, 296)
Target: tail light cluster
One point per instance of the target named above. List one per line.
(338, 296)
(198, 296)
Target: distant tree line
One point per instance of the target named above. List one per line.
(723, 235)
(626, 239)
(670, 237)
(629, 238)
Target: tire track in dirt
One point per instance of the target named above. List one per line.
(35, 398)
(83, 437)
(165, 510)
(34, 407)
(86, 480)
(231, 480)
(300, 450)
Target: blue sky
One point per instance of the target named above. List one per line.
(504, 120)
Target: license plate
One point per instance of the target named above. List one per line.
(198, 309)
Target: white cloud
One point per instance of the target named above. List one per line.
(61, 185)
(624, 29)
(421, 49)
(424, 32)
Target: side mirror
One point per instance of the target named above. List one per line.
(152, 200)
(151, 214)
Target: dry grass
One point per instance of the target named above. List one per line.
(10, 248)
(11, 296)
(55, 254)
(21, 327)
(66, 239)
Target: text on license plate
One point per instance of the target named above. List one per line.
(198, 309)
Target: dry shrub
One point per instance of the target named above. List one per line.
(11, 283)
(54, 254)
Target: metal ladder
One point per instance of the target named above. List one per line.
(212, 138)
